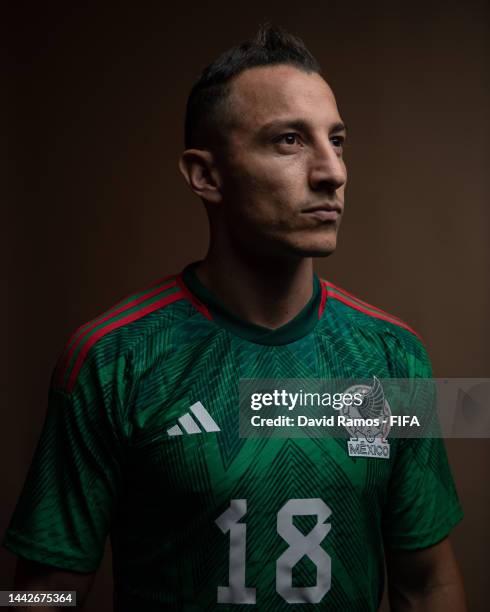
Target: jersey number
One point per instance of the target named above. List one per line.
(300, 545)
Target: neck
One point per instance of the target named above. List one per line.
(265, 291)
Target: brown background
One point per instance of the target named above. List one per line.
(97, 207)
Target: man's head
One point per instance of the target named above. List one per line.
(264, 146)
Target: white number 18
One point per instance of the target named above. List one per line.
(300, 545)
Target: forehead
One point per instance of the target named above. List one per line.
(261, 94)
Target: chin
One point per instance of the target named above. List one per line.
(319, 252)
(312, 250)
(318, 246)
(297, 245)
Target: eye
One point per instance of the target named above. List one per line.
(338, 141)
(291, 138)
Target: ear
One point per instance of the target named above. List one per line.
(198, 168)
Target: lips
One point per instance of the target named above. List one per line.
(323, 212)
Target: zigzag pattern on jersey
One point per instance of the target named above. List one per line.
(291, 473)
(265, 362)
(285, 465)
(135, 306)
(337, 293)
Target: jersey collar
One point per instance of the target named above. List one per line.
(207, 302)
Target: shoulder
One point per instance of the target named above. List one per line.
(377, 325)
(105, 342)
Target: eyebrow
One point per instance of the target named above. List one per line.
(297, 124)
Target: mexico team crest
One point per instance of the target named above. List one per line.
(368, 423)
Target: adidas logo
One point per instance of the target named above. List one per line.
(190, 426)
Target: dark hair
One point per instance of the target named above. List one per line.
(205, 116)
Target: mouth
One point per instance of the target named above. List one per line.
(323, 212)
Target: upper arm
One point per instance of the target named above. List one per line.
(416, 568)
(425, 573)
(33, 576)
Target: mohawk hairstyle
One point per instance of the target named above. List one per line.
(206, 115)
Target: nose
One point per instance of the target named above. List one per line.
(327, 168)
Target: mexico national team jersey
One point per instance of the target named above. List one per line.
(141, 442)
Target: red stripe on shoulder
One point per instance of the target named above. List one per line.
(80, 333)
(155, 286)
(198, 305)
(350, 300)
(323, 301)
(165, 301)
(354, 297)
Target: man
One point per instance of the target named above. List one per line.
(142, 436)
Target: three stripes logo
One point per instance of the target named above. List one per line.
(189, 424)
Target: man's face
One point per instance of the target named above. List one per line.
(283, 175)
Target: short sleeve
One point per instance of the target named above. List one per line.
(65, 509)
(422, 503)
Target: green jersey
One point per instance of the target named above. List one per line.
(141, 442)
